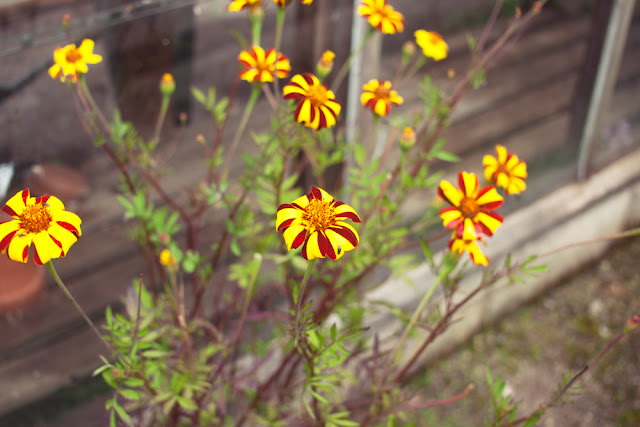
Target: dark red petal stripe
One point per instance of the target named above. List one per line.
(68, 227)
(7, 239)
(43, 198)
(346, 233)
(313, 111)
(323, 243)
(285, 224)
(6, 209)
(56, 242)
(350, 215)
(25, 195)
(315, 192)
(331, 253)
(323, 118)
(25, 253)
(308, 78)
(301, 237)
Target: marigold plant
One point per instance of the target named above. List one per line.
(230, 322)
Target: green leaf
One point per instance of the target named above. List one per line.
(122, 414)
(157, 354)
(318, 396)
(187, 404)
(130, 394)
(199, 95)
(426, 250)
(447, 157)
(100, 370)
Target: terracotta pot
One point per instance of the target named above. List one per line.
(60, 181)
(20, 284)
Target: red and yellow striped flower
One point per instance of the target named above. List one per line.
(238, 5)
(378, 96)
(467, 242)
(382, 16)
(470, 202)
(432, 44)
(70, 61)
(505, 170)
(316, 222)
(41, 221)
(317, 107)
(260, 66)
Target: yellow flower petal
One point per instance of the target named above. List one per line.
(17, 250)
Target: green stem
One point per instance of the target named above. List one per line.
(416, 66)
(416, 315)
(161, 117)
(255, 93)
(64, 289)
(256, 26)
(347, 65)
(92, 104)
(301, 289)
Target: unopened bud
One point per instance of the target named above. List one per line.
(200, 139)
(518, 12)
(451, 73)
(164, 238)
(325, 65)
(66, 18)
(632, 323)
(182, 117)
(407, 138)
(167, 84)
(537, 7)
(408, 49)
(256, 13)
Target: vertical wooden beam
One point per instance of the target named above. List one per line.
(589, 69)
(608, 68)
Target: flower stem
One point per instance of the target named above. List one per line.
(416, 315)
(301, 289)
(255, 93)
(161, 117)
(84, 89)
(64, 289)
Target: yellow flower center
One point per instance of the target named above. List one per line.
(382, 92)
(502, 168)
(317, 95)
(468, 207)
(319, 215)
(73, 55)
(434, 38)
(35, 218)
(264, 66)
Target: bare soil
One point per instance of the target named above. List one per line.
(558, 333)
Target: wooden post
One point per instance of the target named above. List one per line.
(605, 80)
